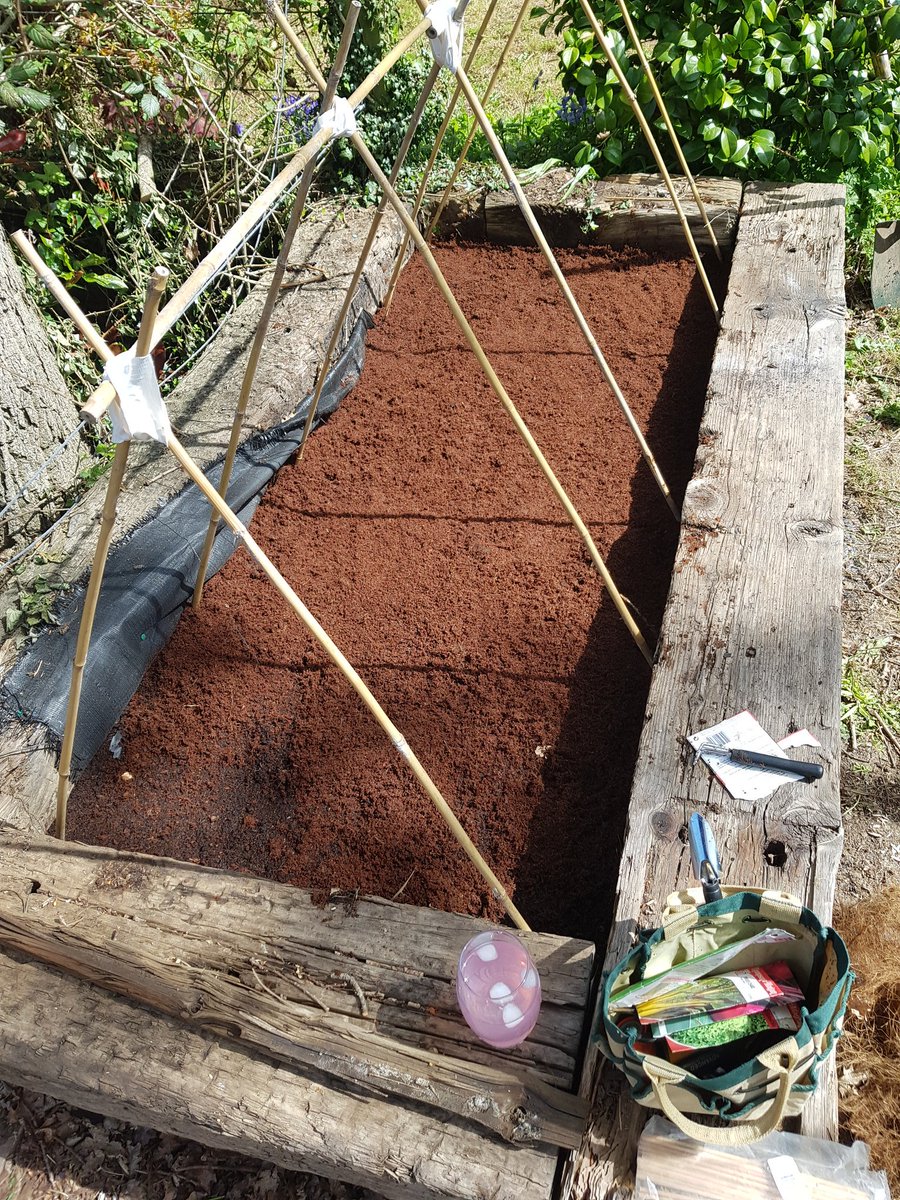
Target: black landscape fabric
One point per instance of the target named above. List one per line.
(149, 578)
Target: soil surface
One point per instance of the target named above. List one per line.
(420, 532)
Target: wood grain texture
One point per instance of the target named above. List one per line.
(753, 615)
(36, 413)
(272, 959)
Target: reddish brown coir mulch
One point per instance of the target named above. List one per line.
(420, 532)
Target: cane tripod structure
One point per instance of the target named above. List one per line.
(473, 126)
(572, 513)
(468, 91)
(442, 133)
(632, 99)
(102, 397)
(667, 121)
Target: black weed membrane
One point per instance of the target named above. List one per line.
(148, 581)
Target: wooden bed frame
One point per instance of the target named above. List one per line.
(320, 1032)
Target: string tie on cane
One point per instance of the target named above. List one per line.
(401, 745)
(138, 414)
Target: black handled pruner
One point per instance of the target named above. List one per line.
(807, 771)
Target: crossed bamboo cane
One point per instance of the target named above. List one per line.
(154, 324)
(146, 339)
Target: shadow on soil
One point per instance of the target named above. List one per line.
(588, 773)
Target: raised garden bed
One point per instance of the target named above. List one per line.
(750, 619)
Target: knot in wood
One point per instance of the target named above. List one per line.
(811, 528)
(703, 503)
(663, 825)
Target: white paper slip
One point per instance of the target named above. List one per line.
(743, 781)
(787, 1178)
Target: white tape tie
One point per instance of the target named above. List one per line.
(138, 413)
(445, 34)
(340, 118)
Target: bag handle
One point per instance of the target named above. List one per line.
(661, 1074)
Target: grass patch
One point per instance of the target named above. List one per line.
(873, 359)
(889, 414)
(865, 711)
(531, 65)
(863, 478)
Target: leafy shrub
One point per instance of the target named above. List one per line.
(34, 605)
(85, 89)
(783, 90)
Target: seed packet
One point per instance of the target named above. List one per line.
(708, 1031)
(691, 969)
(768, 985)
(681, 1023)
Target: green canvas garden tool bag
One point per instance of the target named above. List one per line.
(752, 1097)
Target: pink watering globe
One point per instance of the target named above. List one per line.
(498, 988)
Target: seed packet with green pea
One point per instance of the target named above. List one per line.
(706, 1030)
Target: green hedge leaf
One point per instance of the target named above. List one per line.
(149, 106)
(42, 37)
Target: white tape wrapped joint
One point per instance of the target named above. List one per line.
(138, 413)
(445, 34)
(339, 119)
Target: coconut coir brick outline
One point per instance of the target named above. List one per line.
(419, 532)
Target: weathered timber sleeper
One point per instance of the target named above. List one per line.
(753, 616)
(232, 960)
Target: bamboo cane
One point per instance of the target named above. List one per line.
(654, 148)
(223, 511)
(473, 129)
(667, 120)
(107, 521)
(538, 234)
(412, 228)
(352, 676)
(104, 394)
(306, 59)
(439, 140)
(504, 398)
(265, 318)
(364, 254)
(55, 287)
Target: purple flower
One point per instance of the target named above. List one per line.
(301, 112)
(571, 109)
(238, 129)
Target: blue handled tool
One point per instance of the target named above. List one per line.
(704, 857)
